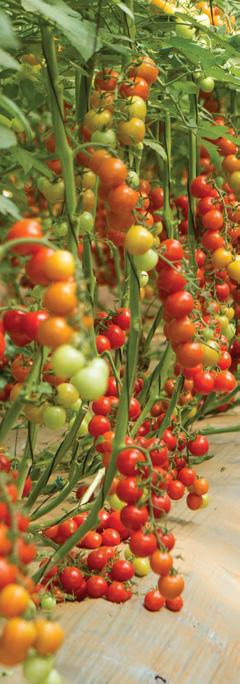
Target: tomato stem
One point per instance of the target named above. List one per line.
(167, 174)
(64, 149)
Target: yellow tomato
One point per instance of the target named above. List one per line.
(234, 269)
(211, 353)
(138, 240)
(221, 257)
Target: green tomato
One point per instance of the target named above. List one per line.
(53, 192)
(143, 279)
(235, 181)
(147, 261)
(91, 382)
(207, 84)
(116, 503)
(141, 566)
(128, 553)
(205, 501)
(36, 668)
(48, 602)
(183, 29)
(224, 322)
(60, 229)
(207, 333)
(54, 417)
(86, 222)
(133, 180)
(67, 394)
(104, 137)
(66, 360)
(230, 332)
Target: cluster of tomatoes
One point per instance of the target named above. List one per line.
(25, 638)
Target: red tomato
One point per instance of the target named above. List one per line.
(153, 600)
(25, 228)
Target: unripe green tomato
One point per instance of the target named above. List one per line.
(104, 137)
(207, 84)
(37, 668)
(48, 602)
(67, 394)
(91, 382)
(61, 229)
(54, 417)
(183, 29)
(147, 261)
(143, 278)
(133, 180)
(116, 503)
(86, 222)
(219, 181)
(30, 612)
(230, 332)
(53, 192)
(66, 360)
(234, 181)
(207, 333)
(141, 566)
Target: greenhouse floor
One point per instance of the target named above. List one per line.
(108, 644)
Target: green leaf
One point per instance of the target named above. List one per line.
(7, 37)
(156, 147)
(28, 161)
(7, 138)
(185, 87)
(126, 9)
(8, 207)
(14, 110)
(80, 32)
(7, 61)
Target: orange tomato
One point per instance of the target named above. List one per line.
(49, 637)
(14, 600)
(60, 298)
(54, 331)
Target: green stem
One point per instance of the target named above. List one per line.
(172, 405)
(192, 172)
(154, 326)
(8, 246)
(121, 425)
(218, 431)
(90, 282)
(53, 503)
(167, 174)
(156, 380)
(27, 457)
(66, 444)
(64, 150)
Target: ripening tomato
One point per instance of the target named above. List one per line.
(181, 329)
(122, 199)
(106, 79)
(135, 107)
(26, 228)
(161, 562)
(14, 600)
(204, 382)
(112, 171)
(35, 266)
(49, 637)
(225, 382)
(60, 265)
(60, 298)
(189, 354)
(194, 501)
(200, 187)
(213, 220)
(31, 322)
(135, 86)
(138, 240)
(53, 332)
(174, 604)
(131, 132)
(171, 586)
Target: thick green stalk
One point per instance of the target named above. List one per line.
(9, 246)
(156, 380)
(90, 283)
(12, 414)
(61, 496)
(192, 172)
(63, 148)
(156, 322)
(167, 174)
(219, 431)
(121, 425)
(172, 405)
